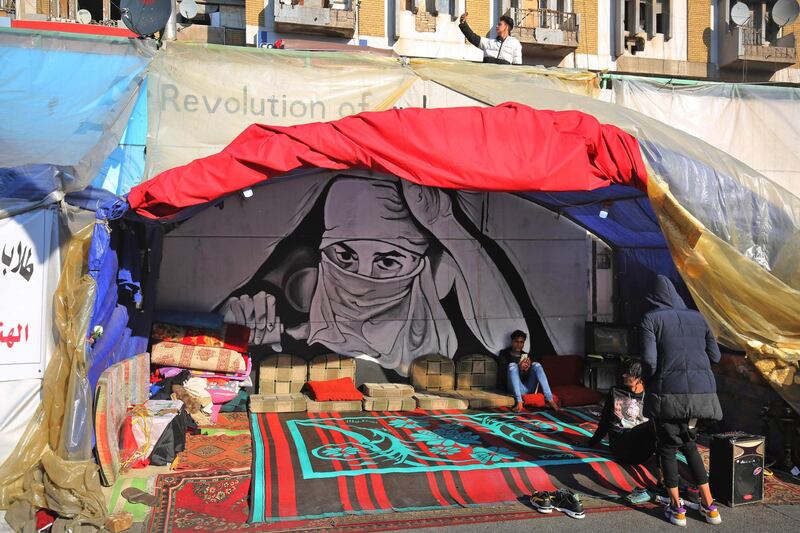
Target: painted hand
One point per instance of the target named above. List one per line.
(257, 313)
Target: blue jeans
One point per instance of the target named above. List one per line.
(535, 376)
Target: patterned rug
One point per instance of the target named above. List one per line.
(234, 421)
(218, 501)
(781, 489)
(214, 451)
(377, 462)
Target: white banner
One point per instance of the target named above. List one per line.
(25, 299)
(201, 97)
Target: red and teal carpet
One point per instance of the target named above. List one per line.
(322, 465)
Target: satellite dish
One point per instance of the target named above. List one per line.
(740, 14)
(785, 12)
(188, 9)
(145, 17)
(84, 16)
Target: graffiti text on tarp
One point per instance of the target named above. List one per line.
(246, 103)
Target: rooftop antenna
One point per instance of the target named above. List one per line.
(785, 12)
(188, 9)
(740, 14)
(145, 17)
(84, 16)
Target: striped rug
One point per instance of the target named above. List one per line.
(309, 466)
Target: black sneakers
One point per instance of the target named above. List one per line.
(562, 500)
(542, 502)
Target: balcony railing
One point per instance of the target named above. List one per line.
(545, 27)
(753, 46)
(335, 18)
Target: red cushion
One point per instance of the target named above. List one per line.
(563, 369)
(334, 390)
(536, 400)
(573, 395)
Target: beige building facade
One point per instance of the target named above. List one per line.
(667, 38)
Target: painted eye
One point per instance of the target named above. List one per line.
(346, 256)
(387, 263)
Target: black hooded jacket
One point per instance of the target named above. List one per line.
(677, 351)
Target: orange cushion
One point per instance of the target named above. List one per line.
(536, 400)
(334, 390)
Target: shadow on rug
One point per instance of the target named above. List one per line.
(218, 501)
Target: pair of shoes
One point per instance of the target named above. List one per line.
(664, 500)
(568, 503)
(676, 515)
(638, 497)
(542, 501)
(552, 404)
(711, 513)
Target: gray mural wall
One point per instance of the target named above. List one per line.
(381, 269)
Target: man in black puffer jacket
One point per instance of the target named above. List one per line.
(677, 351)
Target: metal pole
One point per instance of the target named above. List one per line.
(171, 29)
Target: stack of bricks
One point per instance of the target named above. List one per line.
(794, 28)
(424, 21)
(698, 30)
(372, 18)
(479, 15)
(254, 13)
(588, 30)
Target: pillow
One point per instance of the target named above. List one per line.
(220, 396)
(334, 390)
(536, 400)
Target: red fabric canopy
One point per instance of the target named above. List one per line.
(511, 147)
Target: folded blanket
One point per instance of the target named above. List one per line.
(209, 358)
(238, 376)
(231, 336)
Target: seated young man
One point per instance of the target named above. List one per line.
(522, 375)
(632, 437)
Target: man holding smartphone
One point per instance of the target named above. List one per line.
(522, 375)
(504, 49)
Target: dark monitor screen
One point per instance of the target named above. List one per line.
(603, 339)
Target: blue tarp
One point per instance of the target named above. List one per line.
(72, 97)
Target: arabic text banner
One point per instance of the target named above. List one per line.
(26, 248)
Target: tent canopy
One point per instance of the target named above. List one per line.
(731, 233)
(510, 147)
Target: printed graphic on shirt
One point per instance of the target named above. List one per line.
(628, 410)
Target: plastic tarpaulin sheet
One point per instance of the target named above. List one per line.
(51, 466)
(71, 96)
(192, 87)
(749, 289)
(718, 113)
(581, 82)
(549, 151)
(124, 167)
(745, 215)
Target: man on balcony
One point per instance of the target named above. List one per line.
(504, 49)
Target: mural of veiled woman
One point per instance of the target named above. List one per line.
(380, 269)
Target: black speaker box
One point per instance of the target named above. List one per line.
(736, 475)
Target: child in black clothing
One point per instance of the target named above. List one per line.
(632, 437)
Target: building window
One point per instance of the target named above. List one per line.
(647, 16)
